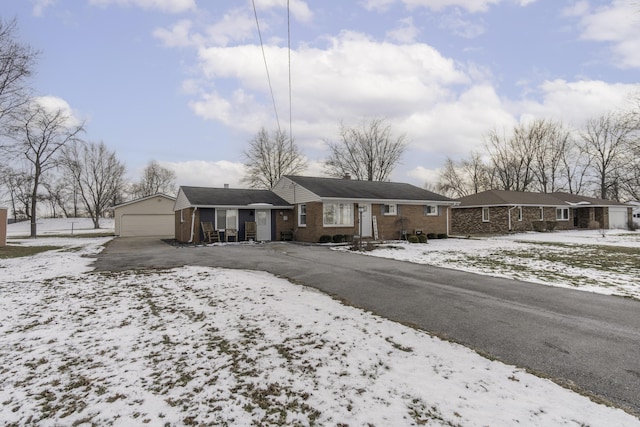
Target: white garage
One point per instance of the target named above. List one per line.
(618, 217)
(148, 216)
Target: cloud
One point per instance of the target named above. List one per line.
(299, 9)
(53, 104)
(179, 35)
(200, 173)
(406, 32)
(458, 25)
(169, 6)
(473, 6)
(40, 5)
(575, 102)
(617, 24)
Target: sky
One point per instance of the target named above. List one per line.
(184, 82)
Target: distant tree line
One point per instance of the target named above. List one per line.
(45, 164)
(602, 159)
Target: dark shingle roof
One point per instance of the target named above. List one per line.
(374, 190)
(503, 198)
(206, 196)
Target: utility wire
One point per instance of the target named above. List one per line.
(289, 53)
(264, 57)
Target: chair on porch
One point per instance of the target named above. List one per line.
(210, 235)
(250, 230)
(231, 232)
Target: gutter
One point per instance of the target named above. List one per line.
(193, 223)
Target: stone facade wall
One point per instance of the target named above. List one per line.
(469, 220)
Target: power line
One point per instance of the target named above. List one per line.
(289, 54)
(264, 57)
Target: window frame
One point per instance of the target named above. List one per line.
(429, 212)
(217, 226)
(560, 216)
(519, 213)
(388, 211)
(339, 206)
(302, 207)
(541, 213)
(487, 217)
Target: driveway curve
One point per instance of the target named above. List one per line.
(585, 341)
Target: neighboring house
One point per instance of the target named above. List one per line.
(497, 211)
(229, 209)
(635, 213)
(333, 206)
(147, 216)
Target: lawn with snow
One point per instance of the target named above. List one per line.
(589, 260)
(194, 346)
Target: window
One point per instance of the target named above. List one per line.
(302, 215)
(541, 213)
(226, 218)
(562, 214)
(431, 210)
(485, 214)
(337, 214)
(519, 213)
(390, 210)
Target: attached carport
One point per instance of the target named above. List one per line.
(148, 216)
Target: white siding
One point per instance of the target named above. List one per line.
(293, 193)
(618, 217)
(181, 201)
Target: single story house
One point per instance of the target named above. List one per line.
(498, 211)
(372, 209)
(147, 216)
(228, 210)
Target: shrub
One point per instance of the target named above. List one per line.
(632, 226)
(338, 238)
(551, 225)
(422, 238)
(413, 239)
(442, 236)
(538, 226)
(431, 235)
(325, 238)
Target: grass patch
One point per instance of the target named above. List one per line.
(11, 251)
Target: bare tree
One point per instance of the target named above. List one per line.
(40, 134)
(271, 156)
(469, 176)
(19, 184)
(155, 179)
(16, 62)
(511, 159)
(607, 140)
(98, 175)
(368, 152)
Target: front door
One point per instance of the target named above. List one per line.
(366, 220)
(263, 223)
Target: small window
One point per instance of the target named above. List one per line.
(431, 210)
(562, 214)
(541, 214)
(519, 213)
(485, 214)
(302, 215)
(390, 210)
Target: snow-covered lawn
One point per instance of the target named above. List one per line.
(579, 259)
(195, 346)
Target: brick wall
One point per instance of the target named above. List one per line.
(389, 226)
(183, 228)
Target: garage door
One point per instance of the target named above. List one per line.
(147, 225)
(618, 217)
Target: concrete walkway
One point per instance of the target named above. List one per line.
(585, 341)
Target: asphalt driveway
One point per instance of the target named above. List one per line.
(585, 341)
